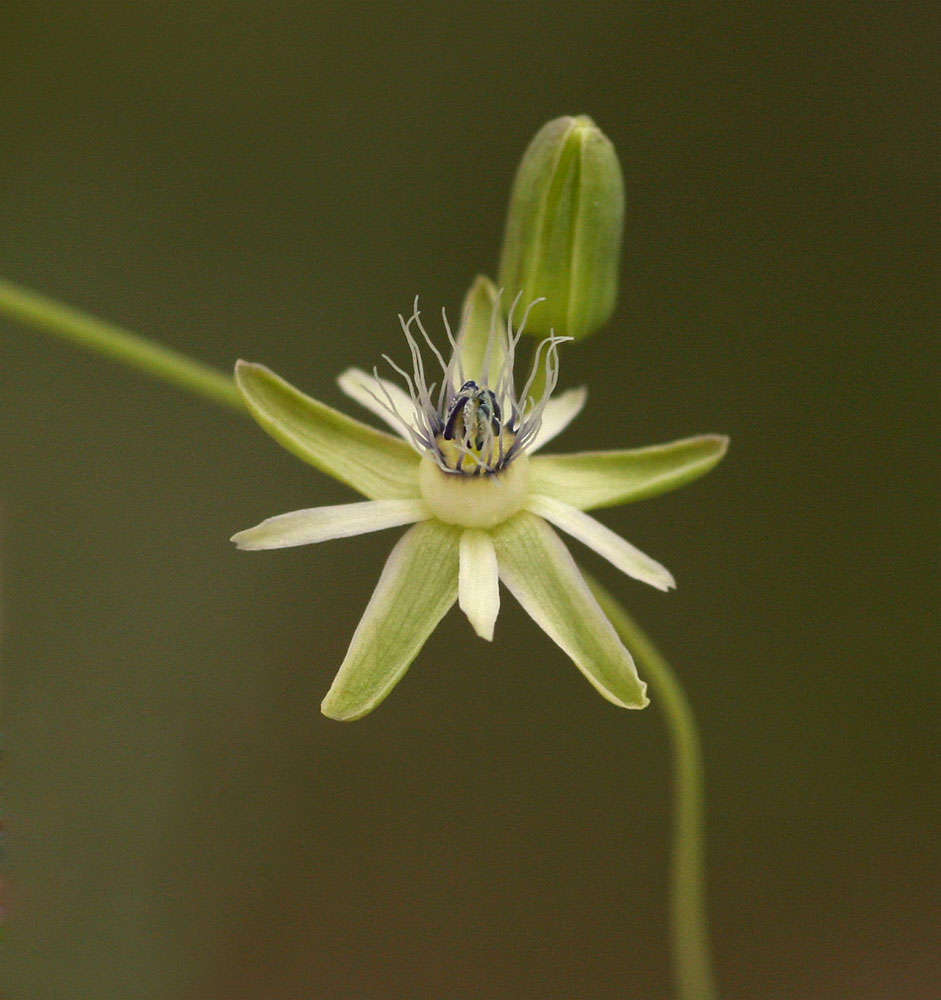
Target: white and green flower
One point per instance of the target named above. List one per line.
(483, 507)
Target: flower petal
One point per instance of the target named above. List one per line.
(372, 393)
(604, 541)
(477, 314)
(478, 583)
(603, 478)
(560, 411)
(417, 586)
(374, 463)
(318, 524)
(539, 571)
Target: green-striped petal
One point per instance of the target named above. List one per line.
(374, 463)
(539, 571)
(589, 479)
(415, 590)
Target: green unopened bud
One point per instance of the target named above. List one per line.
(563, 230)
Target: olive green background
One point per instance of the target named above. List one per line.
(276, 181)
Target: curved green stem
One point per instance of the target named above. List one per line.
(688, 923)
(105, 338)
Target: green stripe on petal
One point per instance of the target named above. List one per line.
(417, 586)
(374, 463)
(539, 571)
(591, 479)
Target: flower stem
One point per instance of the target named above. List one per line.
(689, 927)
(95, 334)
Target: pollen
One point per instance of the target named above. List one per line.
(480, 458)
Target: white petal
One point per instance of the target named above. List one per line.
(318, 524)
(479, 582)
(604, 541)
(560, 411)
(368, 392)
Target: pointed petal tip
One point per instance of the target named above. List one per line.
(242, 542)
(481, 620)
(722, 442)
(238, 539)
(485, 632)
(328, 709)
(338, 706)
(244, 369)
(717, 443)
(353, 375)
(579, 394)
(638, 702)
(333, 711)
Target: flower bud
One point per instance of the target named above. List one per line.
(563, 229)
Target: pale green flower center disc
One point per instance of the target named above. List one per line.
(474, 501)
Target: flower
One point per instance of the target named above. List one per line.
(462, 471)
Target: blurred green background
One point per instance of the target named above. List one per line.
(276, 181)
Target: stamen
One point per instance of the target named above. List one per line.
(420, 442)
(428, 341)
(404, 374)
(474, 428)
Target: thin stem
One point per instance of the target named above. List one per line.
(95, 334)
(688, 924)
